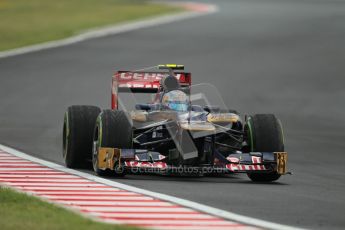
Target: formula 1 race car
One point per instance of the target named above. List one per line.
(160, 123)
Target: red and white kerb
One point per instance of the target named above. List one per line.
(102, 201)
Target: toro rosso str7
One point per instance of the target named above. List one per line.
(160, 123)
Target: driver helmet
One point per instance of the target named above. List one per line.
(175, 100)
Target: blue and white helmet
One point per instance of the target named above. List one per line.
(175, 100)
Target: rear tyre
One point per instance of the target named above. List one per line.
(79, 121)
(112, 130)
(265, 134)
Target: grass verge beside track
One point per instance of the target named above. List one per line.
(27, 22)
(22, 212)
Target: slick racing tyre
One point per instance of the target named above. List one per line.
(265, 134)
(79, 122)
(112, 130)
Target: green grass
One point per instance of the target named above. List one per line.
(27, 22)
(22, 212)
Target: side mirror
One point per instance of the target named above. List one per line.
(213, 109)
(145, 107)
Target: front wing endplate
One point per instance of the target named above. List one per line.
(107, 157)
(281, 158)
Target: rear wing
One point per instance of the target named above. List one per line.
(142, 82)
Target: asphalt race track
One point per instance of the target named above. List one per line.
(265, 56)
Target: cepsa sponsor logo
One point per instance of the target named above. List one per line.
(143, 76)
(141, 80)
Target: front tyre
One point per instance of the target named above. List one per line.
(113, 129)
(265, 134)
(79, 121)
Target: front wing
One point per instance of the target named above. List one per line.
(144, 161)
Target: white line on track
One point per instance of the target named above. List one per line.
(117, 29)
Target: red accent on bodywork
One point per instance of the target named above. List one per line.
(233, 159)
(256, 160)
(239, 167)
(145, 164)
(114, 93)
(142, 80)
